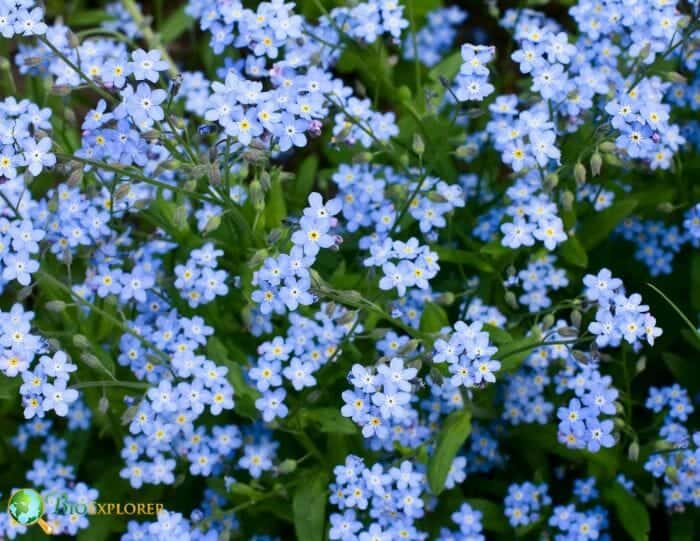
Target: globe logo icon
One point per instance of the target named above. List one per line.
(26, 508)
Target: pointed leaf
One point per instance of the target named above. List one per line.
(452, 436)
(309, 507)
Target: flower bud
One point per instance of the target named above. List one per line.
(265, 181)
(436, 376)
(212, 225)
(274, 236)
(607, 146)
(676, 77)
(60, 90)
(404, 94)
(579, 174)
(76, 177)
(511, 300)
(580, 356)
(55, 306)
(129, 414)
(446, 299)
(378, 333)
(596, 163)
(645, 51)
(633, 451)
(257, 259)
(103, 404)
(24, 293)
(31, 61)
(567, 200)
(418, 144)
(612, 159)
(551, 181)
(347, 318)
(547, 321)
(180, 217)
(80, 341)
(641, 364)
(362, 157)
(672, 473)
(351, 297)
(408, 347)
(287, 466)
(122, 191)
(90, 360)
(67, 257)
(257, 195)
(576, 318)
(214, 174)
(665, 207)
(568, 332)
(465, 151)
(73, 40)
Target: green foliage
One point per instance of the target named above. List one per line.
(450, 439)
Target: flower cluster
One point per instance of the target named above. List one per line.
(308, 345)
(679, 467)
(404, 264)
(284, 282)
(469, 522)
(657, 244)
(390, 498)
(242, 255)
(381, 398)
(55, 479)
(44, 384)
(468, 352)
(619, 317)
(524, 503)
(21, 18)
(472, 83)
(436, 37)
(537, 280)
(199, 281)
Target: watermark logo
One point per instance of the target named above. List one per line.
(60, 504)
(26, 507)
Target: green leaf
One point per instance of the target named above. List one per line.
(682, 527)
(306, 175)
(88, 17)
(695, 279)
(244, 395)
(434, 318)
(495, 249)
(450, 439)
(309, 508)
(447, 67)
(683, 369)
(276, 208)
(245, 491)
(175, 25)
(451, 255)
(512, 354)
(492, 514)
(498, 336)
(631, 512)
(598, 227)
(573, 252)
(673, 305)
(330, 420)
